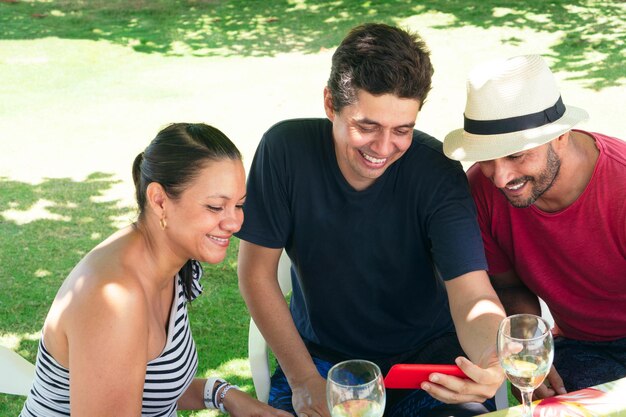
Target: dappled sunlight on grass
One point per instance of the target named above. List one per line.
(268, 28)
(14, 340)
(46, 228)
(38, 211)
(40, 273)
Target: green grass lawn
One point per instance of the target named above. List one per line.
(83, 81)
(593, 30)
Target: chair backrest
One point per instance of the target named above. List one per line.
(545, 313)
(16, 373)
(257, 347)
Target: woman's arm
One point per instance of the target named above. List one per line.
(237, 403)
(107, 339)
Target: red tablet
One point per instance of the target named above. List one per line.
(411, 376)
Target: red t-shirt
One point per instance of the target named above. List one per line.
(574, 259)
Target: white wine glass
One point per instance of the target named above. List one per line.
(355, 388)
(525, 350)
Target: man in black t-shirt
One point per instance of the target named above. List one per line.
(382, 234)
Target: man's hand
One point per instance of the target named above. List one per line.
(484, 380)
(309, 397)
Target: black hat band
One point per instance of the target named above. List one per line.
(517, 123)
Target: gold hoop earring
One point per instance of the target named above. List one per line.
(163, 223)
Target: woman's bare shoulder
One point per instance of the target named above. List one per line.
(102, 294)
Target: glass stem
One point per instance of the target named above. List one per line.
(527, 399)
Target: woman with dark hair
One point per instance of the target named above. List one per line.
(116, 341)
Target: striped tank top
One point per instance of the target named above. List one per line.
(167, 376)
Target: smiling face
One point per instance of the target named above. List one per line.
(371, 134)
(202, 220)
(525, 176)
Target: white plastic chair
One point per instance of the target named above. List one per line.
(257, 346)
(258, 350)
(17, 374)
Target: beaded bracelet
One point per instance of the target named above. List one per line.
(209, 391)
(217, 390)
(223, 394)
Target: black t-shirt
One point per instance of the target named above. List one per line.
(365, 281)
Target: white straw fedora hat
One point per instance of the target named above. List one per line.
(512, 105)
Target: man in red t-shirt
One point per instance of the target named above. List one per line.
(551, 204)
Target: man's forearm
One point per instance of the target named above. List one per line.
(476, 311)
(518, 299)
(258, 284)
(514, 295)
(276, 325)
(477, 328)
(271, 314)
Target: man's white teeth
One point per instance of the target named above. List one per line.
(516, 187)
(219, 239)
(372, 159)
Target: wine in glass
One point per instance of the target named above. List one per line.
(525, 350)
(355, 388)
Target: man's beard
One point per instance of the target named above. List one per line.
(541, 184)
